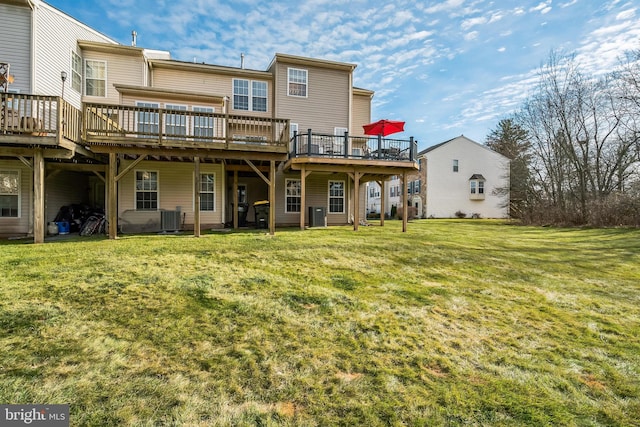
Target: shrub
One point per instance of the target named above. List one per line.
(460, 214)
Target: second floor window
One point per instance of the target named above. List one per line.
(455, 165)
(203, 125)
(175, 123)
(148, 119)
(76, 72)
(297, 79)
(249, 95)
(95, 78)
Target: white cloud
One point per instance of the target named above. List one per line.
(543, 8)
(627, 14)
(469, 23)
(444, 6)
(471, 36)
(502, 49)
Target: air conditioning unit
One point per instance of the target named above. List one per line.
(170, 220)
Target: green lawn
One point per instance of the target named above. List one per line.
(469, 322)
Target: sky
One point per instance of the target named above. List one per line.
(446, 67)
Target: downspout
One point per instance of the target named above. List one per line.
(32, 59)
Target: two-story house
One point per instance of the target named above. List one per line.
(458, 177)
(164, 144)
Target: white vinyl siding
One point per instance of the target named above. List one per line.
(16, 40)
(297, 82)
(146, 190)
(9, 194)
(95, 78)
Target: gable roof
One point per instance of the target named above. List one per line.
(435, 147)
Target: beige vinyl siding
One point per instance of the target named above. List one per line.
(361, 114)
(22, 224)
(317, 195)
(57, 36)
(326, 105)
(175, 188)
(16, 44)
(121, 69)
(209, 84)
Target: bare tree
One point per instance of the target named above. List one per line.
(581, 152)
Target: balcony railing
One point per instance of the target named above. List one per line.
(311, 144)
(37, 115)
(157, 126)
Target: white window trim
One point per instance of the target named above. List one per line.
(286, 195)
(84, 72)
(306, 72)
(249, 95)
(344, 196)
(209, 109)
(73, 72)
(151, 105)
(135, 190)
(455, 166)
(215, 192)
(19, 195)
(178, 110)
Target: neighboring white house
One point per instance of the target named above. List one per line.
(458, 175)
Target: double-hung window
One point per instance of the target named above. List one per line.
(76, 72)
(476, 186)
(148, 119)
(9, 194)
(249, 95)
(95, 77)
(455, 165)
(297, 82)
(293, 195)
(207, 192)
(146, 190)
(336, 196)
(175, 123)
(203, 125)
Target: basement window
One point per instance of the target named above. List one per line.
(9, 194)
(146, 190)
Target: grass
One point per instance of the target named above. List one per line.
(452, 323)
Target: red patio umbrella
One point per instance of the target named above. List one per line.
(383, 127)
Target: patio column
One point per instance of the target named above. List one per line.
(303, 195)
(38, 196)
(234, 208)
(356, 201)
(405, 208)
(382, 207)
(196, 197)
(272, 198)
(112, 203)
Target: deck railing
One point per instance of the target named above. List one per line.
(310, 144)
(151, 126)
(39, 115)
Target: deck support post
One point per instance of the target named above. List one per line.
(382, 206)
(303, 195)
(38, 195)
(112, 202)
(404, 199)
(356, 201)
(272, 198)
(196, 197)
(235, 200)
